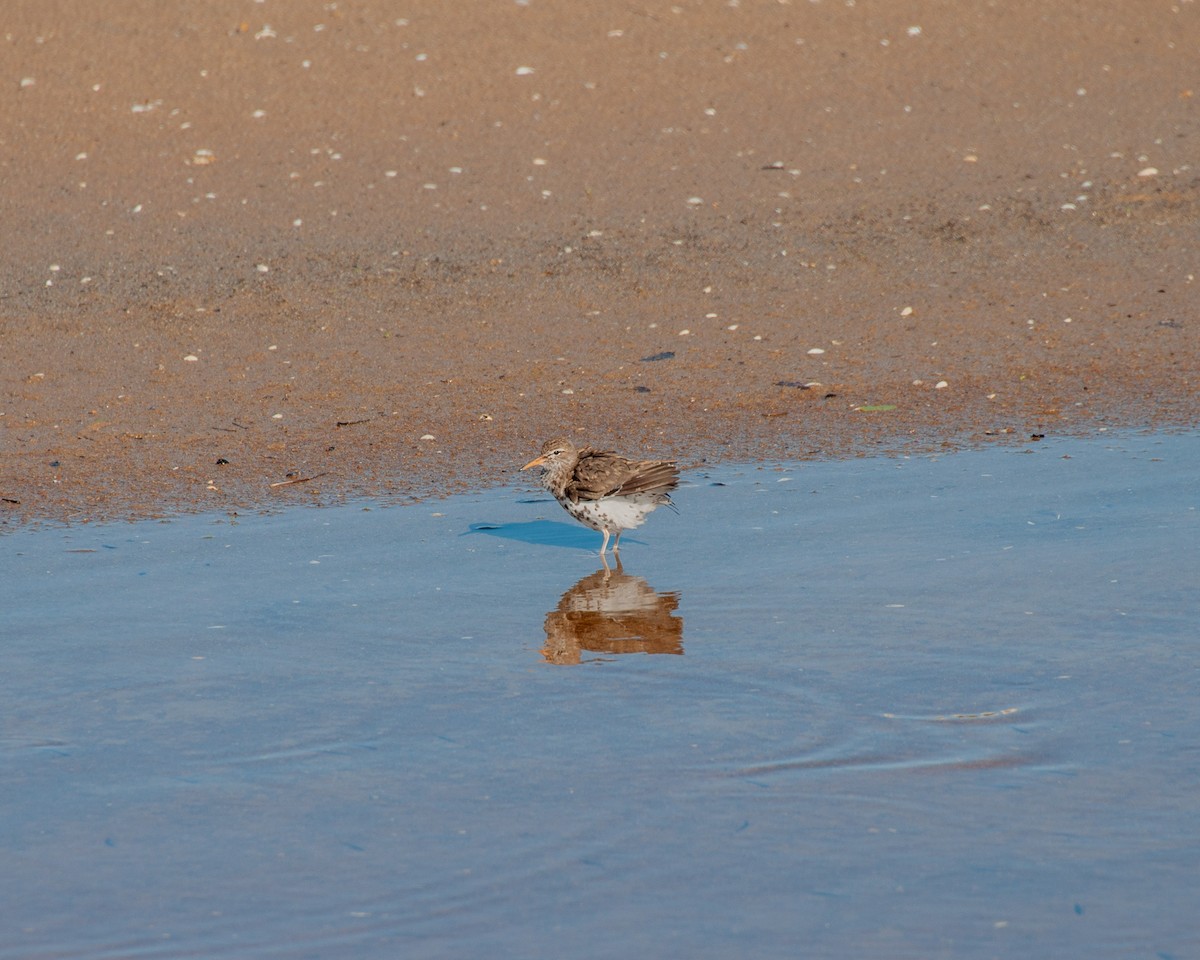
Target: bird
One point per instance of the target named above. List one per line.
(604, 491)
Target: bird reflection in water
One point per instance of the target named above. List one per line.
(612, 612)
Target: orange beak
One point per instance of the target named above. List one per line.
(535, 462)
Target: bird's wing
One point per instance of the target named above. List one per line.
(600, 473)
(651, 476)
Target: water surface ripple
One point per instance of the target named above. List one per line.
(907, 707)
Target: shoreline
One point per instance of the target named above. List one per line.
(289, 249)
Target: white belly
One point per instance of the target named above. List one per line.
(614, 513)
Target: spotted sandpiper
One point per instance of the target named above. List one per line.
(602, 490)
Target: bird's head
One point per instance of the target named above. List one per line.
(553, 452)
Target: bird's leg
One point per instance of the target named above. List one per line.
(617, 543)
(604, 545)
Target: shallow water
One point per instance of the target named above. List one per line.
(882, 708)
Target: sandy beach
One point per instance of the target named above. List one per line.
(268, 252)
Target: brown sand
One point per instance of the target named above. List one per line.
(247, 242)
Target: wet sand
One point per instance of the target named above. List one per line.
(250, 243)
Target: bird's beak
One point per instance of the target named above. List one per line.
(536, 462)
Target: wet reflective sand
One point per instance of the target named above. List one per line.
(905, 708)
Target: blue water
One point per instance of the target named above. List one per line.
(908, 707)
